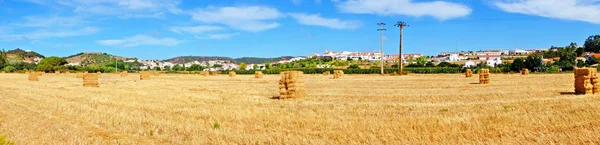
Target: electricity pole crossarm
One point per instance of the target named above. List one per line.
(381, 29)
(401, 25)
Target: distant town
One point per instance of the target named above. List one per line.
(491, 58)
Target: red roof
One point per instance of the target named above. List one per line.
(597, 55)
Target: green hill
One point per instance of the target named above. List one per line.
(94, 58)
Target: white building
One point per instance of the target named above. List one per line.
(470, 64)
(518, 52)
(494, 62)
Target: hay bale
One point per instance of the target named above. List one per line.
(468, 73)
(524, 71)
(484, 76)
(214, 73)
(144, 75)
(79, 75)
(204, 73)
(33, 77)
(98, 73)
(232, 74)
(586, 81)
(90, 80)
(291, 85)
(40, 73)
(326, 73)
(123, 74)
(67, 72)
(258, 74)
(338, 74)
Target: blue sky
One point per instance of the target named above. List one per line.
(161, 29)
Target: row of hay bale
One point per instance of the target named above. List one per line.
(586, 81)
(291, 85)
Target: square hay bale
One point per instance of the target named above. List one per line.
(90, 80)
(79, 75)
(586, 81)
(67, 72)
(214, 73)
(144, 75)
(468, 73)
(484, 76)
(123, 74)
(204, 73)
(525, 71)
(258, 74)
(338, 74)
(291, 85)
(33, 77)
(326, 73)
(232, 74)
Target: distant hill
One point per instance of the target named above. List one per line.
(19, 55)
(249, 60)
(93, 58)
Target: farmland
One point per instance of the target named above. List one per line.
(356, 109)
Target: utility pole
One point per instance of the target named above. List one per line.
(401, 25)
(116, 66)
(381, 29)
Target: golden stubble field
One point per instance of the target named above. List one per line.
(364, 109)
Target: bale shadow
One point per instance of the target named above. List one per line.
(568, 93)
(474, 83)
(276, 97)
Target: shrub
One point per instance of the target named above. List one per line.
(9, 69)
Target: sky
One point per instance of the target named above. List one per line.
(162, 29)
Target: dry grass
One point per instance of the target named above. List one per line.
(359, 109)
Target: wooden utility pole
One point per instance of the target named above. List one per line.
(381, 29)
(401, 25)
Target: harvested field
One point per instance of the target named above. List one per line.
(359, 109)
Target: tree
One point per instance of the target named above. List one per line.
(267, 65)
(429, 64)
(591, 60)
(255, 66)
(9, 69)
(534, 61)
(243, 66)
(421, 61)
(48, 64)
(592, 44)
(156, 68)
(517, 65)
(3, 58)
(195, 67)
(177, 67)
(353, 66)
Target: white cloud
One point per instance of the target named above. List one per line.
(247, 18)
(438, 9)
(218, 36)
(45, 33)
(317, 20)
(132, 8)
(196, 29)
(50, 21)
(139, 40)
(580, 10)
